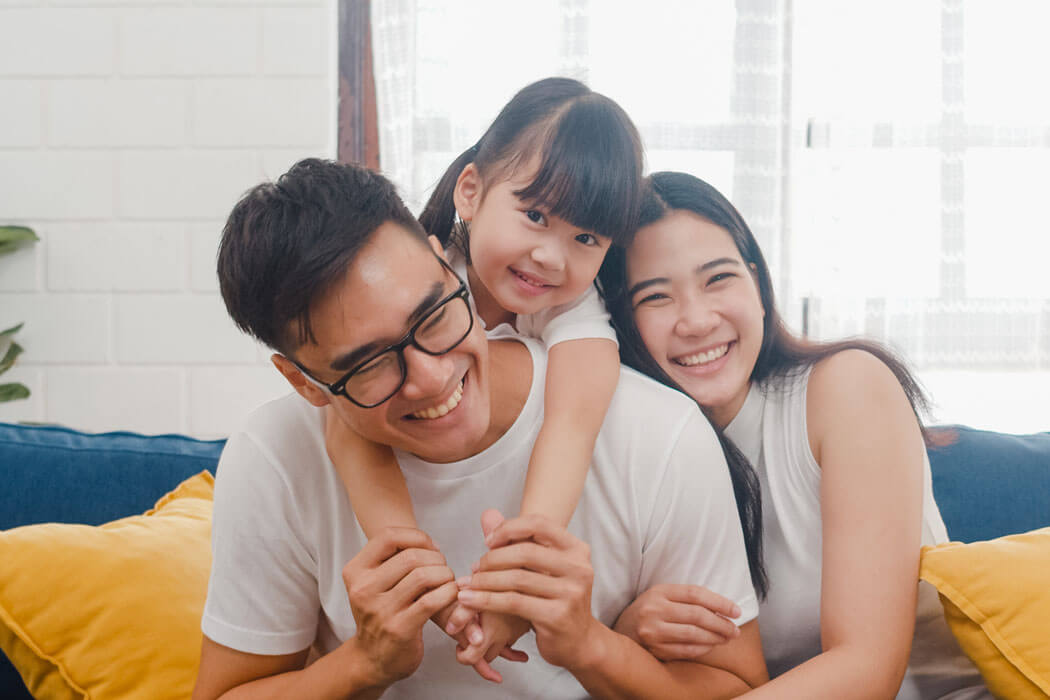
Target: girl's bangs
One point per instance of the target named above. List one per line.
(590, 170)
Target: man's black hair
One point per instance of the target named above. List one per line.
(287, 242)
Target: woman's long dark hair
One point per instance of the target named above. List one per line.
(782, 354)
(589, 158)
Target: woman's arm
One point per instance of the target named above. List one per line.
(866, 439)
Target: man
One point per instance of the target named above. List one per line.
(329, 268)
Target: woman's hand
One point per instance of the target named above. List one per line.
(679, 622)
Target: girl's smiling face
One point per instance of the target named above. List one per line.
(697, 308)
(525, 258)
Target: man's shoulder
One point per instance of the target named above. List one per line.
(639, 397)
(281, 430)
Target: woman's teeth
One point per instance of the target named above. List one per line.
(702, 358)
(438, 411)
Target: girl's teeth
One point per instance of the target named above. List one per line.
(702, 358)
(438, 411)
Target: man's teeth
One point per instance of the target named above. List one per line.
(702, 358)
(438, 411)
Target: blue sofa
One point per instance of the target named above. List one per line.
(987, 484)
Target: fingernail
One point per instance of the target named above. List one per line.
(736, 611)
(450, 628)
(489, 540)
(475, 636)
(463, 581)
(468, 596)
(475, 566)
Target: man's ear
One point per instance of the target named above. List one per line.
(467, 194)
(303, 386)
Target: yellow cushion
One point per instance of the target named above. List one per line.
(996, 597)
(111, 611)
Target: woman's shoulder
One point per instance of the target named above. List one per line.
(848, 389)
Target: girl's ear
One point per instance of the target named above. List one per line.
(303, 386)
(754, 278)
(467, 193)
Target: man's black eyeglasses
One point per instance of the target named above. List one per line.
(381, 375)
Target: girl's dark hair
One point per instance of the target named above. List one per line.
(589, 161)
(782, 354)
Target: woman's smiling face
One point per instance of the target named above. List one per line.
(697, 308)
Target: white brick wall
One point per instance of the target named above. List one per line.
(128, 128)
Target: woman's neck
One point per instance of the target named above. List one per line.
(491, 313)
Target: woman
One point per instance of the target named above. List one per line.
(833, 432)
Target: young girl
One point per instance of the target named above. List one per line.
(832, 430)
(526, 216)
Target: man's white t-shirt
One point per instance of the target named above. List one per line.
(657, 507)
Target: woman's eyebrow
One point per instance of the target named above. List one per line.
(667, 280)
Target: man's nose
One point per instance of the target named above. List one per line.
(425, 375)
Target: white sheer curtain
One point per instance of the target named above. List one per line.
(890, 157)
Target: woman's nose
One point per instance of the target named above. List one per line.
(696, 318)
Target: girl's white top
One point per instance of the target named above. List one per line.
(771, 431)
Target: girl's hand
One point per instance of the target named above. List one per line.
(499, 634)
(679, 622)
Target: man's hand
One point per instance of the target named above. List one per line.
(537, 571)
(394, 586)
(678, 622)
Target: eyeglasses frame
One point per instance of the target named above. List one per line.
(338, 388)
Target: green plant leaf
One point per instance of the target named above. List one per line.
(13, 351)
(13, 392)
(17, 234)
(6, 335)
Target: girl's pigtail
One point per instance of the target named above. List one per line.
(439, 215)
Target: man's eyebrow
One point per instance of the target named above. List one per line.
(666, 280)
(349, 359)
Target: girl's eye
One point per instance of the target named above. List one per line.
(536, 217)
(721, 276)
(588, 239)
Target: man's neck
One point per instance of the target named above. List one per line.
(510, 381)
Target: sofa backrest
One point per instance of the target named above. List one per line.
(53, 474)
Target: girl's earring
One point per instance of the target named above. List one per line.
(461, 235)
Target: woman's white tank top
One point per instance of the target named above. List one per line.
(771, 431)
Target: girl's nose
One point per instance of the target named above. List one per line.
(549, 256)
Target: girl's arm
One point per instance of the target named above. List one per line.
(581, 378)
(865, 437)
(371, 476)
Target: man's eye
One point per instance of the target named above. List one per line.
(434, 321)
(588, 239)
(375, 366)
(536, 216)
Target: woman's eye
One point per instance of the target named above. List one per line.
(587, 239)
(536, 217)
(721, 276)
(651, 299)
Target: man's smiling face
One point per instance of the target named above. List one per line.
(442, 411)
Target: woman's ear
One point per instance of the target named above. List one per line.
(303, 386)
(467, 193)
